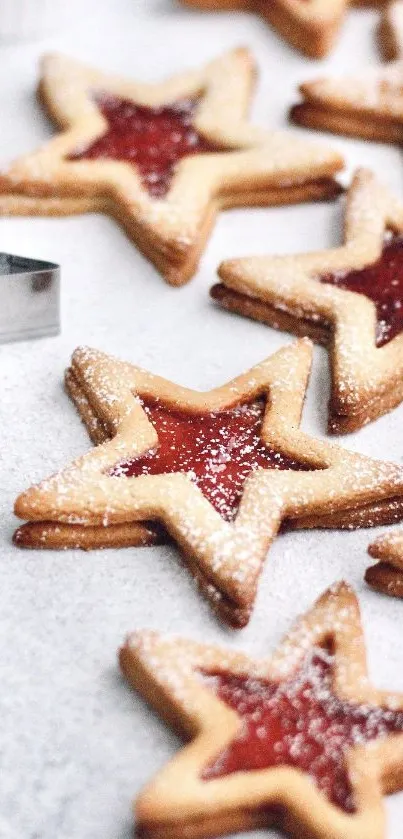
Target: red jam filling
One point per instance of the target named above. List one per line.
(217, 450)
(382, 282)
(300, 723)
(152, 139)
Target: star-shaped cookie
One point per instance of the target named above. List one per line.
(301, 740)
(164, 158)
(387, 574)
(367, 105)
(349, 297)
(311, 27)
(219, 470)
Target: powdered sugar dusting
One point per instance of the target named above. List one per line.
(151, 139)
(217, 451)
(299, 722)
(308, 707)
(365, 380)
(227, 554)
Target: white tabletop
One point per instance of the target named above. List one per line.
(76, 743)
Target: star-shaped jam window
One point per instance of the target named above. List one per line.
(349, 297)
(163, 159)
(301, 740)
(220, 471)
(299, 722)
(216, 450)
(153, 140)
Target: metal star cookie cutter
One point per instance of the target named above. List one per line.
(29, 298)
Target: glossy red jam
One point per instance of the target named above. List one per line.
(152, 139)
(299, 723)
(217, 450)
(382, 282)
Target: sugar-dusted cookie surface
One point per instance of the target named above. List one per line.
(309, 25)
(220, 471)
(350, 298)
(368, 104)
(302, 739)
(162, 159)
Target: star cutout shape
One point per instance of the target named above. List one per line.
(154, 139)
(302, 739)
(288, 292)
(224, 553)
(217, 160)
(367, 105)
(311, 27)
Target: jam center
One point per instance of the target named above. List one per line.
(217, 450)
(152, 139)
(299, 723)
(382, 282)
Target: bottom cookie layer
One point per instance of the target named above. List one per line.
(54, 536)
(250, 307)
(385, 578)
(354, 124)
(389, 511)
(218, 825)
(374, 408)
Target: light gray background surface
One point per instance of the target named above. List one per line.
(75, 743)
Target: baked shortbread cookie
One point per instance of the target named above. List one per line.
(311, 27)
(367, 105)
(164, 158)
(387, 575)
(350, 298)
(220, 471)
(302, 739)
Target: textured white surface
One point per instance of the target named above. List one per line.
(21, 19)
(75, 743)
